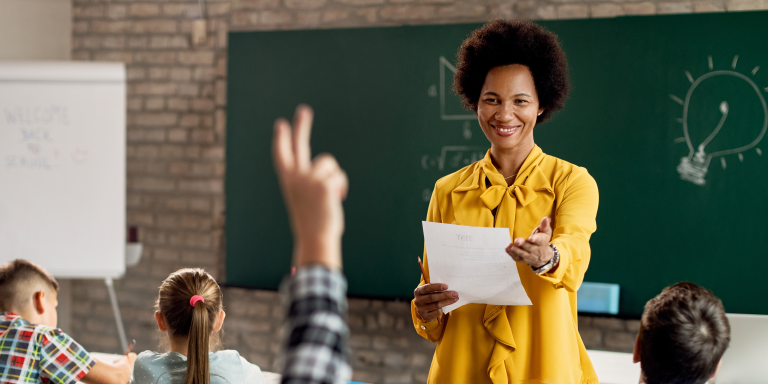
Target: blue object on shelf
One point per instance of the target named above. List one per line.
(598, 298)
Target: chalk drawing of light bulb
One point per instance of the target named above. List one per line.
(706, 111)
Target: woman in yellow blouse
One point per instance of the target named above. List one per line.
(513, 74)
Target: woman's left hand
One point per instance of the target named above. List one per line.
(535, 250)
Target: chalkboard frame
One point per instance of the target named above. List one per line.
(653, 58)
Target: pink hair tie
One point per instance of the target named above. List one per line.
(195, 299)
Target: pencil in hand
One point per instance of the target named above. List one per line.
(130, 347)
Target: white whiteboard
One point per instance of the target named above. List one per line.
(62, 166)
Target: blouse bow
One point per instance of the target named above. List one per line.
(506, 200)
(493, 195)
(524, 190)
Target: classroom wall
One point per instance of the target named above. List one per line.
(39, 30)
(35, 29)
(176, 128)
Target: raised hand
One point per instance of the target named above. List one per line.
(313, 190)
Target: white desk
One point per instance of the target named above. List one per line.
(611, 367)
(269, 377)
(105, 357)
(615, 367)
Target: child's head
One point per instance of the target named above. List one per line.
(189, 309)
(683, 334)
(30, 291)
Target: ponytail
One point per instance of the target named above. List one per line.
(190, 301)
(197, 349)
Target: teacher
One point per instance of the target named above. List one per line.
(513, 75)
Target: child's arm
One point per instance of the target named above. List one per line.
(63, 360)
(317, 352)
(118, 372)
(317, 349)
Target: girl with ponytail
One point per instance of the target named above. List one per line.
(189, 310)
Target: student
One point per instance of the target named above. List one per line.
(313, 190)
(189, 309)
(33, 349)
(683, 334)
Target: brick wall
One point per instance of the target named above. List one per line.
(176, 128)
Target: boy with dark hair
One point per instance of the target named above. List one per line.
(683, 334)
(32, 349)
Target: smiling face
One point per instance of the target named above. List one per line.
(508, 108)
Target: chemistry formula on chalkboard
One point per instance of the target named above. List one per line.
(724, 113)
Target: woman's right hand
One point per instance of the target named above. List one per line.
(430, 298)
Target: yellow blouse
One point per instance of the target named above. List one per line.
(539, 343)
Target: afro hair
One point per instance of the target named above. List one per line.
(506, 42)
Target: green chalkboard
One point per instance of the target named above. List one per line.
(384, 107)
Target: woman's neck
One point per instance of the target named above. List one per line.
(509, 161)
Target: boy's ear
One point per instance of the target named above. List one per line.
(636, 351)
(219, 321)
(38, 299)
(719, 363)
(160, 321)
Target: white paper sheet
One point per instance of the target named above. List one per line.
(474, 263)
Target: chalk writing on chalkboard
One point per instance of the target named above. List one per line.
(446, 94)
(426, 194)
(453, 157)
(701, 124)
(466, 131)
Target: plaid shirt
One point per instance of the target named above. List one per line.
(32, 353)
(317, 328)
